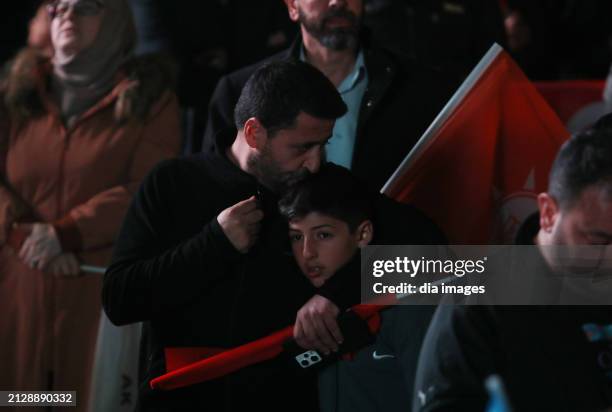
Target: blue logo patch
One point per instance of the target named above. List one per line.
(594, 332)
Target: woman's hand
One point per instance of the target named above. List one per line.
(65, 264)
(41, 245)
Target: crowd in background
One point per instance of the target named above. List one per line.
(550, 40)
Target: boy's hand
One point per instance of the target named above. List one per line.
(316, 325)
(241, 223)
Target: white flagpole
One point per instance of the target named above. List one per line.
(443, 116)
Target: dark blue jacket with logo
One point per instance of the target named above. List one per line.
(380, 377)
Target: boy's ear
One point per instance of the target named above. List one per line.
(365, 232)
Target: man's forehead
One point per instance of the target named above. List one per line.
(313, 131)
(310, 122)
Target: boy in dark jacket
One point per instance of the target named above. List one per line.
(331, 218)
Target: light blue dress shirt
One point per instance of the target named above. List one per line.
(340, 148)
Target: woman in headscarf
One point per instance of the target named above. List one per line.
(84, 128)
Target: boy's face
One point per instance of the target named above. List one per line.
(322, 244)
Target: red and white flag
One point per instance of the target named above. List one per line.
(478, 168)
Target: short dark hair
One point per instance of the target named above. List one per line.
(333, 191)
(604, 122)
(584, 160)
(278, 91)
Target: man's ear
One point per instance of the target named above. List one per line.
(365, 232)
(294, 15)
(255, 133)
(549, 210)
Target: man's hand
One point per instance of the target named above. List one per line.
(316, 325)
(241, 223)
(41, 245)
(65, 264)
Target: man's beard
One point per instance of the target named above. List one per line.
(269, 174)
(338, 38)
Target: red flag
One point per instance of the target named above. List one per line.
(477, 169)
(222, 363)
(568, 97)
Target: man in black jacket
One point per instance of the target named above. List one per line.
(391, 99)
(549, 357)
(201, 258)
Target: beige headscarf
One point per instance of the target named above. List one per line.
(80, 80)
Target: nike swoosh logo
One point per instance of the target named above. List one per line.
(376, 356)
(422, 398)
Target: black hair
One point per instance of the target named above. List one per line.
(604, 122)
(333, 191)
(584, 160)
(278, 91)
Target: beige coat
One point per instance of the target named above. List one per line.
(80, 179)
